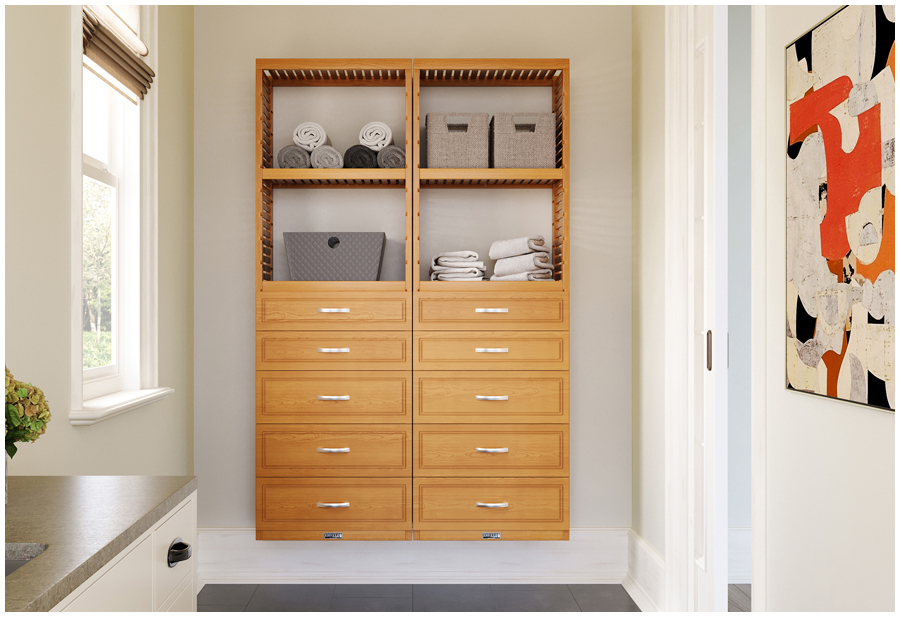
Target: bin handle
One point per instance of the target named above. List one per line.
(457, 124)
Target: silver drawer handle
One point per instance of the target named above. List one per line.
(334, 310)
(333, 349)
(482, 397)
(332, 449)
(333, 398)
(491, 350)
(491, 505)
(345, 504)
(492, 450)
(492, 310)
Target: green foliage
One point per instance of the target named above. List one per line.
(27, 413)
(96, 350)
(98, 202)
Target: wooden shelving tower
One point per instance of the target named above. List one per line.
(422, 412)
(458, 420)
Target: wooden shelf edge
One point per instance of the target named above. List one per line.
(307, 286)
(333, 63)
(334, 174)
(430, 173)
(490, 63)
(495, 286)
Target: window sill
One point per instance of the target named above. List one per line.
(105, 407)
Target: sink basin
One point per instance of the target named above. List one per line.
(20, 553)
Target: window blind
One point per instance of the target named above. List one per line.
(113, 54)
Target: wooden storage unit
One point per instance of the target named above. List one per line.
(491, 359)
(412, 376)
(334, 358)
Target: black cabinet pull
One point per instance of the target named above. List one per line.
(178, 551)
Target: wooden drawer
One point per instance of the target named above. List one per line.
(452, 504)
(309, 450)
(493, 311)
(288, 504)
(332, 311)
(491, 396)
(333, 397)
(461, 450)
(334, 351)
(492, 351)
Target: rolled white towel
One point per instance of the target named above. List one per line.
(517, 246)
(326, 157)
(535, 275)
(310, 136)
(376, 135)
(522, 263)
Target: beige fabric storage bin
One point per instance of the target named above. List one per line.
(457, 141)
(523, 141)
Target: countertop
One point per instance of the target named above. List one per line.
(85, 521)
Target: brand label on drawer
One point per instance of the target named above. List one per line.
(334, 536)
(490, 535)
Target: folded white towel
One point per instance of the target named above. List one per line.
(536, 275)
(522, 263)
(454, 276)
(455, 258)
(517, 246)
(479, 266)
(376, 135)
(310, 136)
(451, 262)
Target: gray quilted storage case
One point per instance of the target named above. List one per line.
(334, 256)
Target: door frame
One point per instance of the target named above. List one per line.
(758, 133)
(679, 302)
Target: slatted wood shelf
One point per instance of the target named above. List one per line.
(334, 72)
(448, 286)
(509, 178)
(309, 286)
(499, 72)
(338, 178)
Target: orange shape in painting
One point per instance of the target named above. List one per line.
(885, 259)
(850, 175)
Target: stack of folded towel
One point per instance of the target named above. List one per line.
(522, 259)
(457, 266)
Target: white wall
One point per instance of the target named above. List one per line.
(829, 464)
(598, 42)
(739, 293)
(156, 439)
(648, 298)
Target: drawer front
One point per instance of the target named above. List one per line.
(492, 350)
(127, 586)
(335, 351)
(332, 311)
(325, 450)
(491, 396)
(333, 397)
(371, 504)
(184, 599)
(473, 311)
(455, 450)
(179, 525)
(453, 504)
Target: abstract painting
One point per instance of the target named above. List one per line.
(840, 208)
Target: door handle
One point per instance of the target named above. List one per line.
(345, 504)
(482, 397)
(479, 504)
(333, 349)
(491, 350)
(492, 310)
(332, 449)
(333, 398)
(333, 310)
(492, 450)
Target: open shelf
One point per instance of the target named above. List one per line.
(508, 178)
(339, 178)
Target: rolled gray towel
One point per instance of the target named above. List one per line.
(392, 157)
(360, 156)
(326, 157)
(293, 157)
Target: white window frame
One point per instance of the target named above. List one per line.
(138, 382)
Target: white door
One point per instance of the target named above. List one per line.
(708, 457)
(697, 217)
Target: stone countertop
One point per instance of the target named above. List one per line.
(85, 521)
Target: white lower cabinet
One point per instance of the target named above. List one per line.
(139, 578)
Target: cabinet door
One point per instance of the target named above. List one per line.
(181, 524)
(127, 586)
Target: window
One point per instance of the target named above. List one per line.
(114, 216)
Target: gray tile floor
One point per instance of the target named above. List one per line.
(739, 598)
(419, 598)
